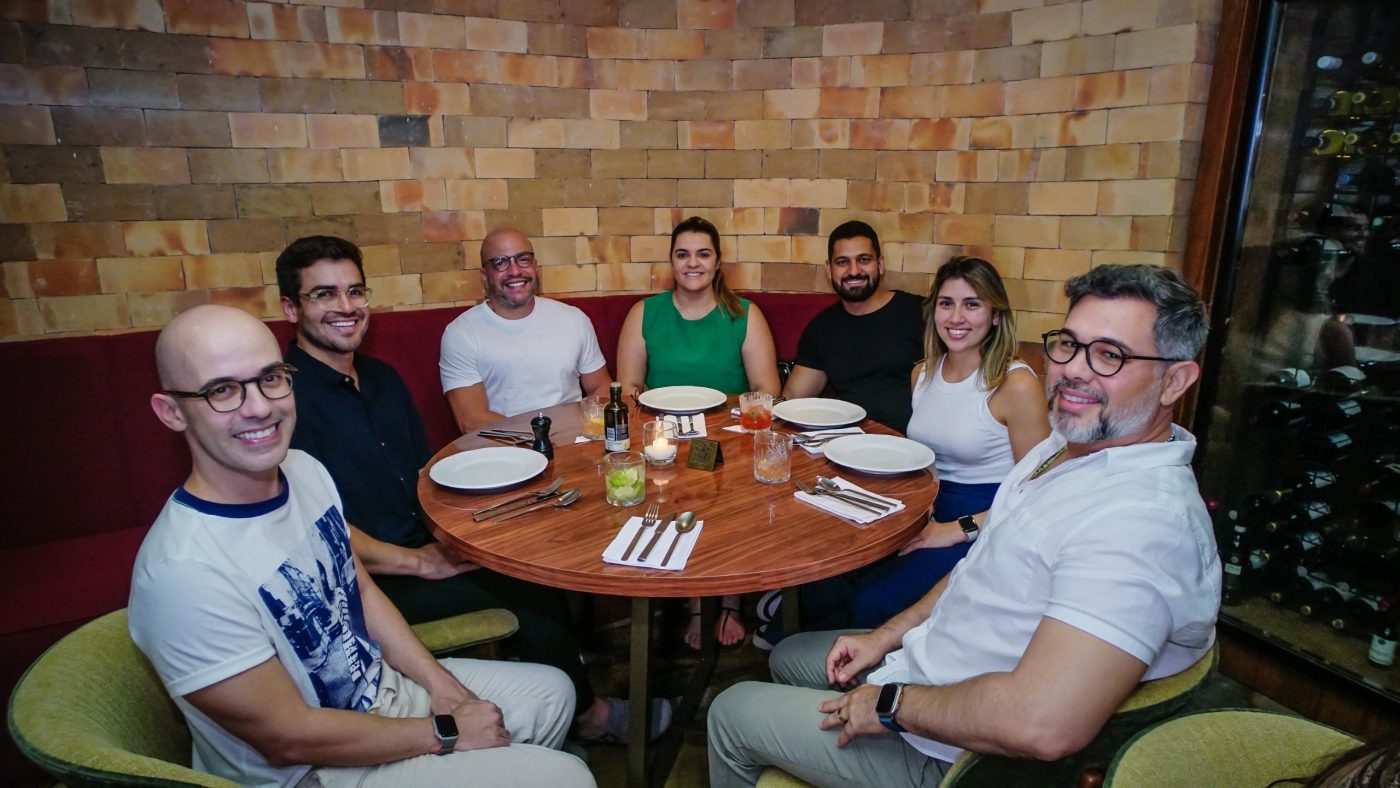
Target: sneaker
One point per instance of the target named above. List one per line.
(768, 635)
(769, 604)
(619, 717)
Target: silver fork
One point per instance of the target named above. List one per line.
(817, 439)
(649, 520)
(689, 428)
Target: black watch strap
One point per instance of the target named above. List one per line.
(970, 527)
(445, 729)
(887, 706)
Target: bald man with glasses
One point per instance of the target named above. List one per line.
(516, 352)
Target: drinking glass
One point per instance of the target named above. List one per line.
(625, 478)
(591, 410)
(659, 442)
(755, 410)
(772, 457)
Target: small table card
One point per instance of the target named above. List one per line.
(704, 454)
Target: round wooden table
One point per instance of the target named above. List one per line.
(756, 537)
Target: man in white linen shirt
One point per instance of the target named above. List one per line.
(515, 352)
(1095, 569)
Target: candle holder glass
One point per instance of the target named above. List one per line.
(659, 444)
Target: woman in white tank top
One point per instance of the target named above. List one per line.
(979, 409)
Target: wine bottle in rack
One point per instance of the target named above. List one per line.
(1337, 103)
(1290, 377)
(1373, 101)
(1329, 63)
(1334, 414)
(1325, 142)
(1325, 602)
(1292, 515)
(1381, 652)
(1284, 414)
(1330, 447)
(1382, 478)
(1345, 379)
(1378, 66)
(1357, 614)
(1235, 565)
(1380, 514)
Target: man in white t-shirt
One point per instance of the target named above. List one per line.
(1095, 569)
(289, 664)
(516, 352)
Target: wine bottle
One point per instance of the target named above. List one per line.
(1291, 377)
(1357, 614)
(1345, 379)
(1382, 650)
(1338, 104)
(1334, 414)
(1375, 101)
(1326, 142)
(616, 436)
(1235, 559)
(1285, 414)
(1379, 514)
(1381, 479)
(1304, 512)
(1329, 63)
(1325, 602)
(1331, 447)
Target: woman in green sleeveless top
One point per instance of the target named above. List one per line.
(698, 333)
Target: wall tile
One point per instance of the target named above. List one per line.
(268, 130)
(84, 313)
(330, 199)
(51, 163)
(228, 166)
(187, 129)
(1111, 89)
(227, 18)
(1147, 124)
(1050, 23)
(222, 270)
(1103, 162)
(251, 58)
(286, 23)
(412, 196)
(1021, 231)
(1138, 197)
(504, 163)
(1096, 232)
(606, 42)
(476, 194)
(145, 165)
(1119, 16)
(200, 201)
(104, 202)
(60, 277)
(74, 240)
(263, 202)
(218, 92)
(42, 202)
(303, 166)
(295, 95)
(963, 229)
(159, 239)
(860, 38)
(707, 13)
(93, 126)
(496, 35)
(376, 164)
(125, 14)
(1159, 47)
(1033, 96)
(140, 275)
(1077, 56)
(1063, 199)
(368, 98)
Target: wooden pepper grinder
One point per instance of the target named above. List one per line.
(540, 425)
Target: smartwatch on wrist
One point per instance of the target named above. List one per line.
(888, 705)
(970, 527)
(445, 729)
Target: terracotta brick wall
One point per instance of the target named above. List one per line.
(158, 153)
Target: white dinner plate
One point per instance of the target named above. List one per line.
(488, 469)
(879, 453)
(818, 412)
(681, 399)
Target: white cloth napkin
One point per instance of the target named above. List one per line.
(697, 423)
(819, 450)
(614, 551)
(846, 511)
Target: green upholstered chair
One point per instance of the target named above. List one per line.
(1226, 747)
(92, 711)
(1151, 701)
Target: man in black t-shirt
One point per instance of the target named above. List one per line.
(862, 348)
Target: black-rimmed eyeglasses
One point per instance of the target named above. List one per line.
(328, 297)
(1105, 358)
(502, 262)
(226, 396)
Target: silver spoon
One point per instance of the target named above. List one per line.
(490, 511)
(828, 483)
(567, 497)
(856, 502)
(684, 524)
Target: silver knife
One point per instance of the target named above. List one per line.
(660, 529)
(869, 507)
(498, 510)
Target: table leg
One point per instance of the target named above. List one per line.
(639, 695)
(791, 610)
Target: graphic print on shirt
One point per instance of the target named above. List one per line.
(323, 620)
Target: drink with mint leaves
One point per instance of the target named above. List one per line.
(625, 478)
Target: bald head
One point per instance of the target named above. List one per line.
(198, 337)
(503, 240)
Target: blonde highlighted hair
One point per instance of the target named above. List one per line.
(728, 302)
(998, 349)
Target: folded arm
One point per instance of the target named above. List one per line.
(432, 561)
(1051, 705)
(470, 407)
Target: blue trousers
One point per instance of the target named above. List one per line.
(868, 597)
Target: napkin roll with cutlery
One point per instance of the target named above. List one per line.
(846, 511)
(614, 551)
(690, 425)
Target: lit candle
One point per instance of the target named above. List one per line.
(660, 449)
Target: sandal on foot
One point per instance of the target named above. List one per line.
(727, 613)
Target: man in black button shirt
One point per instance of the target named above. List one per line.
(863, 347)
(356, 415)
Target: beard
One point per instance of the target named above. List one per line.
(1113, 422)
(511, 299)
(858, 293)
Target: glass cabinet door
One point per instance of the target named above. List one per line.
(1300, 411)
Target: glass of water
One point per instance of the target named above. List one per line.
(772, 456)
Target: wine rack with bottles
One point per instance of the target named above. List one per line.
(1321, 536)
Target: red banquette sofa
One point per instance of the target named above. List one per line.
(87, 466)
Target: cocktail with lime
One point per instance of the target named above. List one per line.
(625, 478)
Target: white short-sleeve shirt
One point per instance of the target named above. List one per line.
(526, 364)
(1117, 544)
